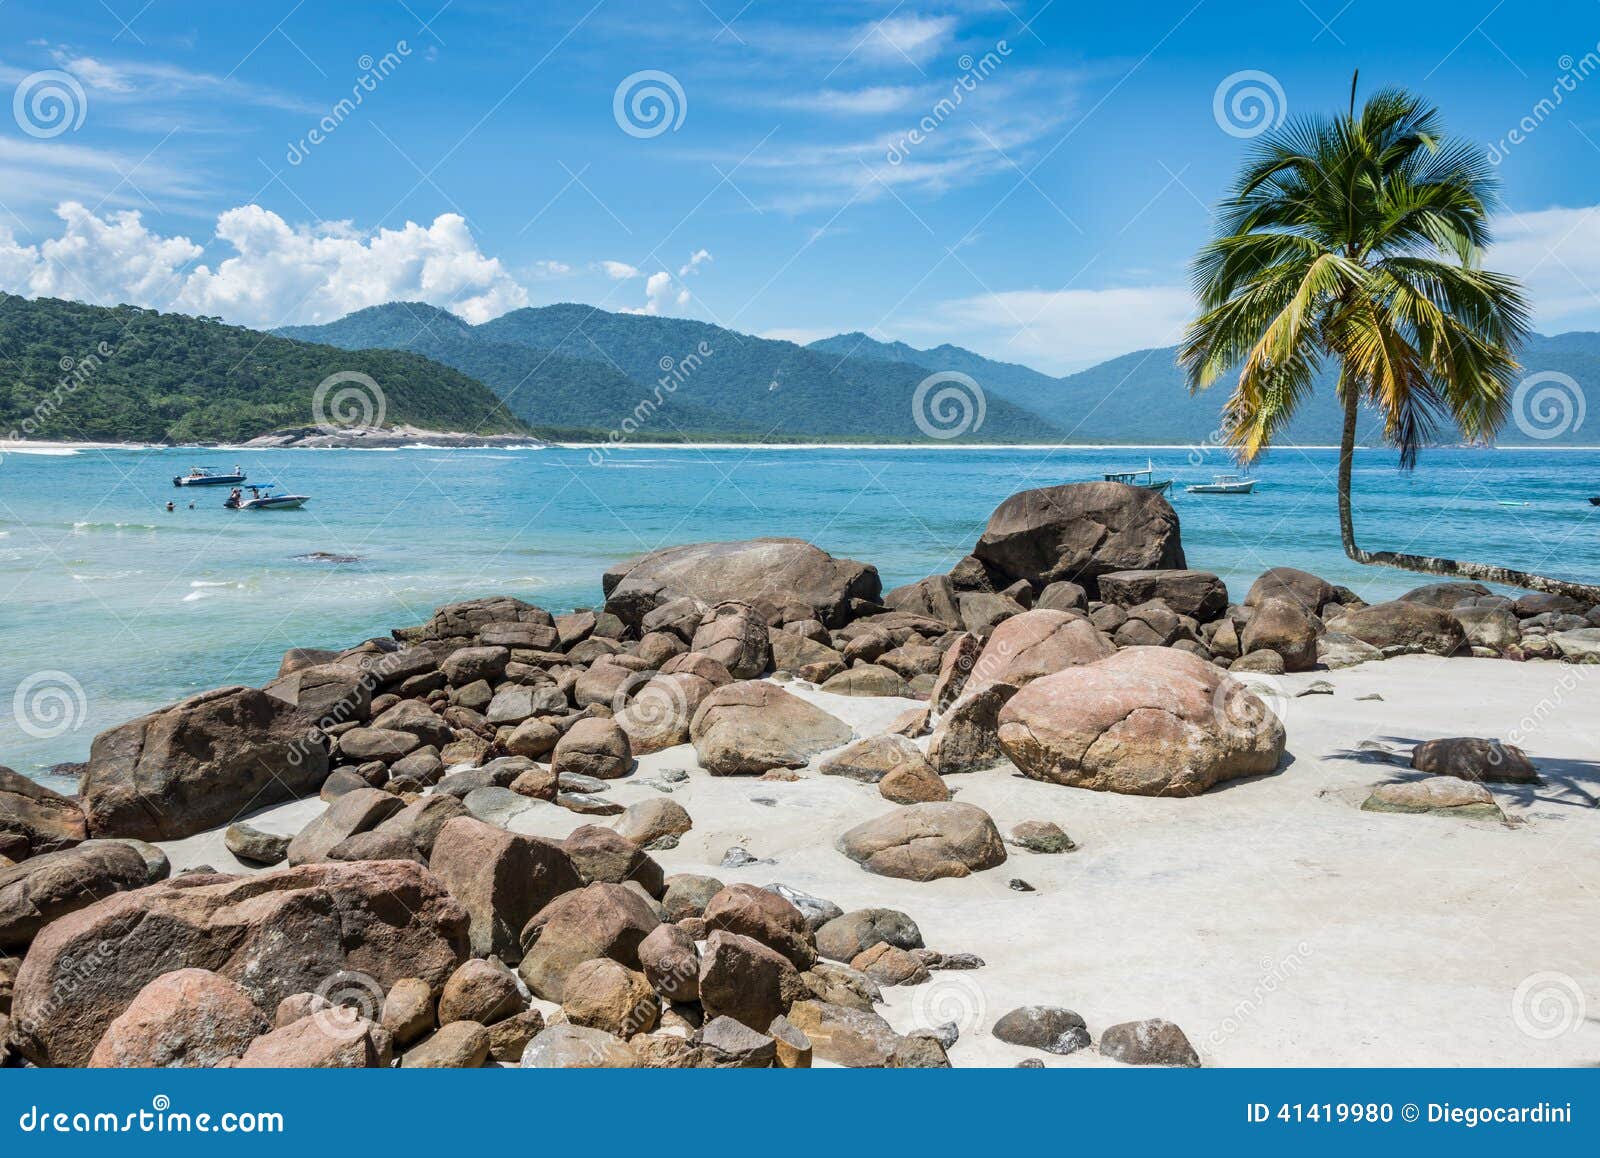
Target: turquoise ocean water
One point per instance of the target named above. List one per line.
(137, 607)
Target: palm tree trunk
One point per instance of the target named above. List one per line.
(1429, 564)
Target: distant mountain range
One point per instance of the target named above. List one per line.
(569, 368)
(576, 372)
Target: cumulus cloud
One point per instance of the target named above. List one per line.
(288, 273)
(618, 270)
(279, 273)
(662, 290)
(1555, 253)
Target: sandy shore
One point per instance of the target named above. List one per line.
(1271, 918)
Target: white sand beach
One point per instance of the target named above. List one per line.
(1273, 920)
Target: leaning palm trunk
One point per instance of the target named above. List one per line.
(1431, 564)
(1359, 240)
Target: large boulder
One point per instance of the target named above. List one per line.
(1448, 596)
(464, 620)
(199, 763)
(34, 819)
(1080, 531)
(189, 1018)
(275, 934)
(330, 693)
(1199, 594)
(766, 916)
(748, 728)
(1474, 758)
(966, 738)
(934, 597)
(598, 920)
(735, 635)
(924, 842)
(658, 716)
(1281, 627)
(1148, 721)
(1306, 591)
(593, 747)
(1400, 627)
(1037, 643)
(501, 878)
(45, 888)
(765, 573)
(1491, 627)
(355, 812)
(743, 979)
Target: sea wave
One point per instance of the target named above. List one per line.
(82, 527)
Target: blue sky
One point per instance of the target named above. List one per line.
(1046, 216)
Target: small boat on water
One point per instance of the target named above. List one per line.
(200, 477)
(1594, 500)
(1145, 479)
(263, 498)
(1224, 484)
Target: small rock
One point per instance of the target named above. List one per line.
(1316, 688)
(1045, 1027)
(1154, 1042)
(1042, 836)
(1018, 885)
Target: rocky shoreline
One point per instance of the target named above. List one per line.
(418, 856)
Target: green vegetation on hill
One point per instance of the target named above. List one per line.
(559, 395)
(561, 365)
(76, 372)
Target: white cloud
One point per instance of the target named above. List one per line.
(910, 37)
(662, 290)
(860, 102)
(551, 269)
(279, 274)
(1556, 253)
(146, 81)
(1062, 330)
(618, 270)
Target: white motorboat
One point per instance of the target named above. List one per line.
(1224, 484)
(200, 477)
(264, 498)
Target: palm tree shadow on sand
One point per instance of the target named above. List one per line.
(1565, 782)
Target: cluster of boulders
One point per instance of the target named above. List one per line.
(409, 921)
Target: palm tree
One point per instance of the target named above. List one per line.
(1359, 239)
